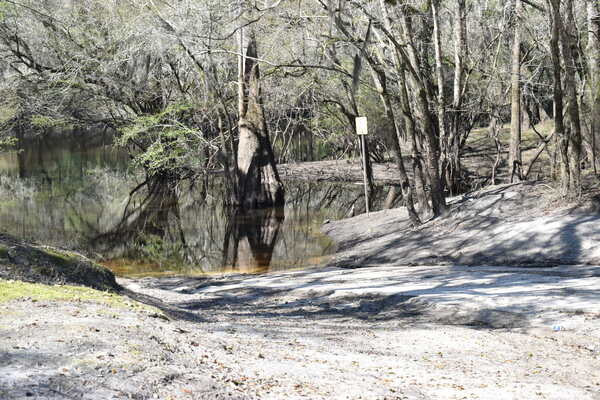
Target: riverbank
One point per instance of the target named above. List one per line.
(346, 171)
(496, 300)
(519, 224)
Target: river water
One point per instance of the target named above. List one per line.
(74, 192)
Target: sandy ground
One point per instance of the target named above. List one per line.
(257, 341)
(498, 300)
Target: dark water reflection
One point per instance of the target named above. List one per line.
(75, 193)
(250, 240)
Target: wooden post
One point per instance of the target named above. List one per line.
(362, 130)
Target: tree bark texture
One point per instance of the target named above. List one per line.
(417, 158)
(593, 50)
(569, 42)
(439, 72)
(430, 132)
(258, 179)
(409, 125)
(453, 168)
(380, 81)
(514, 152)
(559, 126)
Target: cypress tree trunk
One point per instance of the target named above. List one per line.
(259, 185)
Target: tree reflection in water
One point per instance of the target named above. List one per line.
(250, 239)
(152, 229)
(62, 193)
(150, 226)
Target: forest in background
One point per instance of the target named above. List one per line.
(171, 76)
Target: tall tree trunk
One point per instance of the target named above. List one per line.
(447, 156)
(593, 50)
(460, 51)
(380, 81)
(453, 168)
(422, 101)
(258, 179)
(439, 74)
(514, 151)
(559, 127)
(569, 40)
(417, 158)
(409, 121)
(432, 156)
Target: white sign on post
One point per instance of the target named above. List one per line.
(361, 126)
(362, 129)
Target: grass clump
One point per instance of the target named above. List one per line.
(15, 290)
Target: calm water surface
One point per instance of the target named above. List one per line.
(74, 192)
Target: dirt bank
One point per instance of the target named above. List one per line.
(35, 263)
(521, 224)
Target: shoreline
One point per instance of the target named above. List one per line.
(381, 321)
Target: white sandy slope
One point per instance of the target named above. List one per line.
(479, 333)
(504, 292)
(545, 297)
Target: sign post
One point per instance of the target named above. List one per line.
(362, 129)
